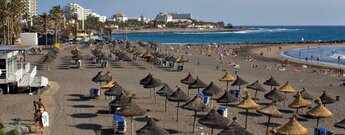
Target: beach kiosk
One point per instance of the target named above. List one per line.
(16, 74)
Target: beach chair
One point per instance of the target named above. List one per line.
(205, 99)
(180, 68)
(322, 131)
(223, 111)
(119, 124)
(94, 93)
(236, 93)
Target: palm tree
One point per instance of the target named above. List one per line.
(45, 18)
(10, 25)
(56, 15)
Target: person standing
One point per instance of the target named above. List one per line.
(38, 121)
(40, 104)
(35, 106)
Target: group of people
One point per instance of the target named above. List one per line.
(39, 109)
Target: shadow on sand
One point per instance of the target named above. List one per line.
(252, 114)
(83, 115)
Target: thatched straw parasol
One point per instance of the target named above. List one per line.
(299, 102)
(106, 77)
(271, 82)
(257, 87)
(214, 119)
(146, 79)
(151, 128)
(286, 88)
(227, 78)
(120, 101)
(116, 90)
(188, 80)
(319, 112)
(340, 124)
(165, 91)
(109, 84)
(212, 90)
(234, 129)
(239, 82)
(153, 83)
(226, 98)
(181, 59)
(196, 105)
(197, 84)
(305, 95)
(178, 96)
(270, 111)
(247, 103)
(325, 99)
(275, 95)
(293, 127)
(97, 78)
(131, 110)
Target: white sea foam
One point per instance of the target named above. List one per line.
(336, 55)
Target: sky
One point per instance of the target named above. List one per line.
(237, 12)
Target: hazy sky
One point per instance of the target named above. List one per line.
(237, 12)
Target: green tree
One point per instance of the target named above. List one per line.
(56, 14)
(11, 20)
(45, 19)
(93, 23)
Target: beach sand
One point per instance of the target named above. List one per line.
(75, 113)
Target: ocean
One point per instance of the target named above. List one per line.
(254, 34)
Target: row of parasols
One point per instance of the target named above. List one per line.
(213, 118)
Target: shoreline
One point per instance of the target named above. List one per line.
(118, 32)
(275, 53)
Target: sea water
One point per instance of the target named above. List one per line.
(332, 55)
(253, 34)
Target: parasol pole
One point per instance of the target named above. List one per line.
(150, 92)
(285, 99)
(178, 104)
(154, 95)
(297, 111)
(227, 85)
(166, 102)
(188, 92)
(212, 130)
(132, 126)
(317, 122)
(194, 124)
(256, 91)
(245, 126)
(268, 124)
(240, 95)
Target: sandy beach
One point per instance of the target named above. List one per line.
(73, 112)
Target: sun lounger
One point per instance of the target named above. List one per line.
(223, 111)
(205, 99)
(94, 93)
(119, 124)
(322, 131)
(236, 93)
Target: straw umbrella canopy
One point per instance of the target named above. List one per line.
(97, 78)
(120, 101)
(197, 84)
(305, 95)
(257, 87)
(151, 128)
(287, 88)
(178, 96)
(109, 84)
(78, 56)
(325, 99)
(226, 98)
(214, 119)
(146, 79)
(270, 111)
(188, 80)
(126, 57)
(227, 78)
(182, 59)
(165, 91)
(116, 90)
(340, 124)
(131, 110)
(293, 127)
(275, 95)
(271, 82)
(212, 90)
(153, 83)
(299, 102)
(196, 105)
(239, 82)
(106, 77)
(234, 129)
(247, 103)
(319, 112)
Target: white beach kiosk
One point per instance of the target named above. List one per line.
(14, 74)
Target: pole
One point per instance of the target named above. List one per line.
(154, 95)
(188, 92)
(227, 85)
(178, 104)
(256, 91)
(245, 126)
(150, 93)
(268, 124)
(166, 102)
(132, 126)
(317, 122)
(212, 130)
(194, 121)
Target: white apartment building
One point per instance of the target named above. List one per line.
(72, 8)
(120, 17)
(173, 17)
(29, 9)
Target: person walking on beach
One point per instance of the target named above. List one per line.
(38, 120)
(40, 104)
(35, 106)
